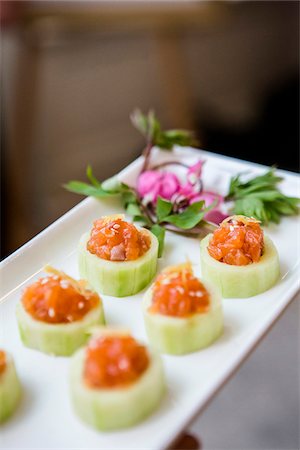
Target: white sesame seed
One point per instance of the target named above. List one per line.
(180, 289)
(116, 226)
(45, 280)
(80, 305)
(64, 284)
(199, 294)
(55, 277)
(51, 312)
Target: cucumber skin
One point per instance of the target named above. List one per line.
(179, 336)
(113, 409)
(57, 339)
(118, 278)
(241, 281)
(10, 390)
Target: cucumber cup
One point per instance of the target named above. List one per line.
(241, 281)
(118, 278)
(181, 335)
(60, 339)
(56, 314)
(10, 389)
(115, 408)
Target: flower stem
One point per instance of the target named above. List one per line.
(146, 154)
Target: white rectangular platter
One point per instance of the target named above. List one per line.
(45, 418)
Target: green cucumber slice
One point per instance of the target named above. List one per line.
(10, 389)
(112, 409)
(57, 339)
(178, 336)
(241, 281)
(118, 278)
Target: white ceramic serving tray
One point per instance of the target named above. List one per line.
(45, 418)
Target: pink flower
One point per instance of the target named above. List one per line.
(194, 172)
(209, 198)
(214, 215)
(152, 184)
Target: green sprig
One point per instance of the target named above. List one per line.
(261, 198)
(149, 126)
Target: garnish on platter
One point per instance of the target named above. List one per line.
(239, 259)
(260, 197)
(116, 257)
(115, 381)
(162, 200)
(55, 313)
(182, 314)
(10, 387)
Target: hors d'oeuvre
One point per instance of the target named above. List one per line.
(117, 258)
(239, 259)
(56, 312)
(115, 381)
(10, 387)
(182, 314)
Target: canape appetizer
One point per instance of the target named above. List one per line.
(181, 314)
(239, 259)
(56, 312)
(115, 381)
(117, 258)
(10, 388)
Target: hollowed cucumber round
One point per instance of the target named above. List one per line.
(118, 278)
(60, 339)
(112, 409)
(241, 281)
(176, 335)
(10, 389)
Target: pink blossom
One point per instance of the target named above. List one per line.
(214, 215)
(209, 198)
(194, 172)
(152, 184)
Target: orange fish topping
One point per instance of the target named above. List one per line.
(114, 361)
(238, 241)
(58, 298)
(2, 361)
(178, 293)
(116, 240)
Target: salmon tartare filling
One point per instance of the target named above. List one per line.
(114, 239)
(238, 241)
(178, 293)
(114, 362)
(58, 298)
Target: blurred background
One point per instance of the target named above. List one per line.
(71, 74)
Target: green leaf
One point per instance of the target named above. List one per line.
(260, 197)
(90, 176)
(153, 127)
(79, 187)
(189, 218)
(113, 185)
(167, 139)
(133, 209)
(163, 208)
(140, 122)
(159, 232)
(129, 197)
(149, 126)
